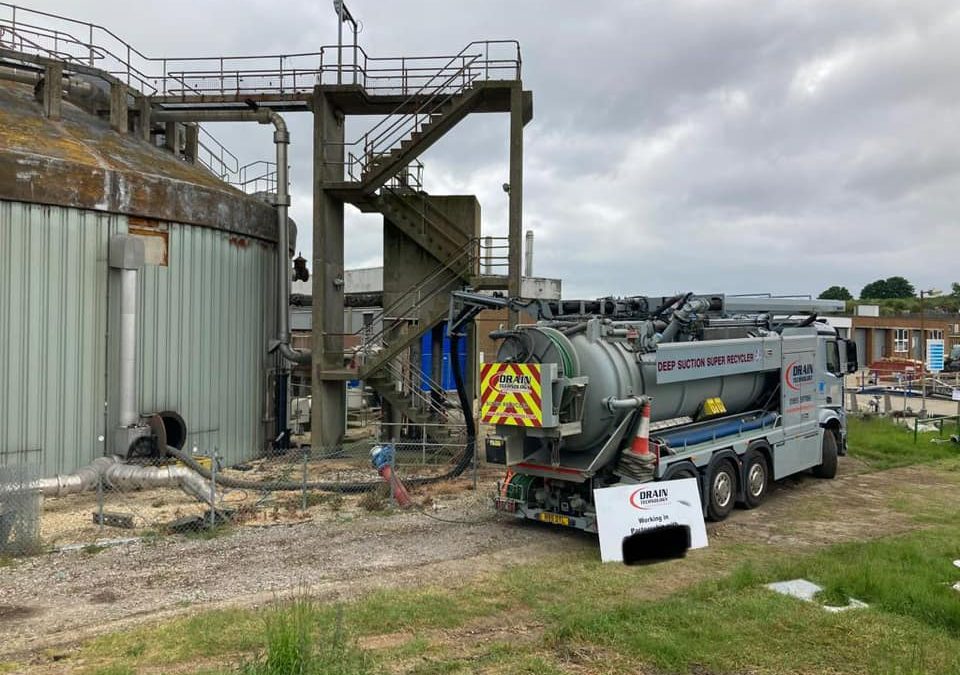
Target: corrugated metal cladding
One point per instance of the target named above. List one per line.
(204, 323)
(206, 319)
(53, 318)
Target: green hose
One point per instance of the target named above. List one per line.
(566, 361)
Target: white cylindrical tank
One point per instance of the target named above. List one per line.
(613, 370)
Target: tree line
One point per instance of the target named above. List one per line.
(896, 293)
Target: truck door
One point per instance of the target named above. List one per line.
(799, 388)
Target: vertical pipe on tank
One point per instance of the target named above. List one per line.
(281, 139)
(528, 264)
(126, 255)
(488, 255)
(128, 348)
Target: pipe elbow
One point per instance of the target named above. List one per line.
(629, 403)
(280, 134)
(295, 355)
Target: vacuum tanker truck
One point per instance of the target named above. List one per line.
(734, 391)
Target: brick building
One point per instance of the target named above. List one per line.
(899, 336)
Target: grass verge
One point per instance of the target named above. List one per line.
(881, 444)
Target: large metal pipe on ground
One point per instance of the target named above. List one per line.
(114, 473)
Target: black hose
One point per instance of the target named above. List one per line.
(470, 449)
(665, 306)
(463, 462)
(573, 330)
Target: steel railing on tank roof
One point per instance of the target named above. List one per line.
(259, 176)
(216, 157)
(425, 83)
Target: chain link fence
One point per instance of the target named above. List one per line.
(421, 467)
(19, 506)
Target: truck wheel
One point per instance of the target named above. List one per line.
(756, 473)
(722, 491)
(828, 464)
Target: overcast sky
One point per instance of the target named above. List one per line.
(676, 145)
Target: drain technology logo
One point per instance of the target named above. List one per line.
(508, 382)
(799, 374)
(648, 498)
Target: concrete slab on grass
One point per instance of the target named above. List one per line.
(807, 590)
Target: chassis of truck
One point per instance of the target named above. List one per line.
(736, 392)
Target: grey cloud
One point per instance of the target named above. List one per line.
(782, 146)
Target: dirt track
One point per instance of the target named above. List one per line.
(52, 601)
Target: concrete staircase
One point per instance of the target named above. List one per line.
(425, 224)
(421, 129)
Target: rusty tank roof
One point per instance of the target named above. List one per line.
(79, 161)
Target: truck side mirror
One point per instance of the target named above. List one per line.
(852, 364)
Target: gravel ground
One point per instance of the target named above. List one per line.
(56, 599)
(50, 602)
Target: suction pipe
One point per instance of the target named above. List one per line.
(281, 139)
(126, 476)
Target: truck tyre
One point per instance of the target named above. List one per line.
(721, 490)
(756, 475)
(828, 462)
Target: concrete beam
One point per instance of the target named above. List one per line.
(172, 138)
(328, 411)
(144, 118)
(53, 90)
(119, 113)
(192, 147)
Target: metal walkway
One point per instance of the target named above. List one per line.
(267, 78)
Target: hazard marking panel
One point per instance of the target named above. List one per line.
(510, 394)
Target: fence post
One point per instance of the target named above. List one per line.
(476, 466)
(213, 489)
(916, 426)
(100, 502)
(393, 477)
(303, 496)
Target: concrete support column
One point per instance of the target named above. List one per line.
(53, 90)
(515, 236)
(172, 138)
(192, 146)
(436, 363)
(119, 113)
(328, 414)
(143, 103)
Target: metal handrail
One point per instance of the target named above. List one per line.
(297, 73)
(103, 45)
(265, 177)
(408, 305)
(219, 160)
(410, 387)
(94, 51)
(410, 123)
(407, 179)
(402, 309)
